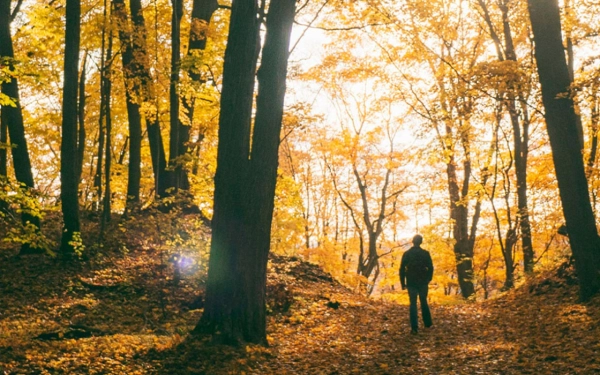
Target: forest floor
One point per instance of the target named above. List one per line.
(123, 314)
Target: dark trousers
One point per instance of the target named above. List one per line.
(421, 292)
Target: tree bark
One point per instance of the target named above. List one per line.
(223, 312)
(521, 149)
(12, 119)
(132, 97)
(202, 12)
(148, 95)
(264, 161)
(81, 134)
(459, 214)
(106, 203)
(3, 146)
(463, 251)
(571, 66)
(561, 123)
(235, 296)
(179, 133)
(68, 149)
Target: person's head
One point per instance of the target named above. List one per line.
(417, 240)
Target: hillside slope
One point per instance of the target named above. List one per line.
(128, 318)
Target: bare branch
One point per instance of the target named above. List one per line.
(16, 10)
(309, 24)
(348, 28)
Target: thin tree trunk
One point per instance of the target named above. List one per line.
(520, 130)
(123, 151)
(595, 116)
(3, 148)
(81, 134)
(561, 123)
(106, 206)
(179, 133)
(594, 128)
(148, 95)
(463, 251)
(521, 149)
(68, 160)
(202, 11)
(101, 118)
(571, 67)
(132, 94)
(100, 149)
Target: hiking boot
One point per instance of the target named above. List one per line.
(414, 332)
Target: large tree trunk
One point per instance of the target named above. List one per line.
(561, 123)
(264, 162)
(223, 311)
(68, 149)
(132, 95)
(235, 296)
(12, 117)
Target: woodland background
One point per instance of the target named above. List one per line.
(400, 117)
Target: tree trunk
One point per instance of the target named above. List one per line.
(521, 148)
(81, 135)
(97, 203)
(12, 119)
(235, 296)
(68, 149)
(463, 250)
(224, 312)
(106, 203)
(3, 148)
(132, 96)
(148, 95)
(571, 66)
(202, 12)
(520, 129)
(509, 259)
(561, 123)
(263, 164)
(179, 133)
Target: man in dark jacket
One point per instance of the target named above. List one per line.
(416, 271)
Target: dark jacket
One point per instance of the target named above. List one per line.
(416, 268)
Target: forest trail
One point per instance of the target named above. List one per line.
(126, 318)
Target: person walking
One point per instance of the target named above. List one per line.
(416, 272)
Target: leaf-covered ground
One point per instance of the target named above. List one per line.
(123, 314)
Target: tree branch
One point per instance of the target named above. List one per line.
(349, 28)
(14, 13)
